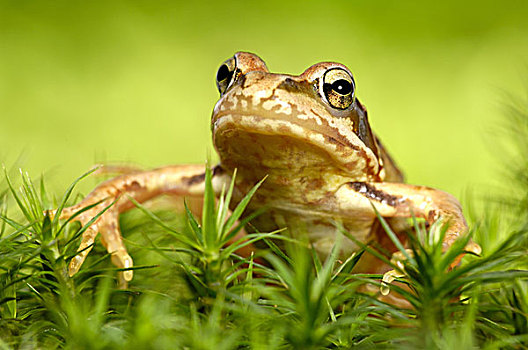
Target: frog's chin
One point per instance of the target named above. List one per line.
(260, 141)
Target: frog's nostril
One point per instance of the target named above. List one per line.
(290, 85)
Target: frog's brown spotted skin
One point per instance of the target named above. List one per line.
(310, 135)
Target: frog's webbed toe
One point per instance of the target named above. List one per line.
(113, 242)
(108, 226)
(405, 201)
(113, 197)
(87, 239)
(85, 247)
(398, 200)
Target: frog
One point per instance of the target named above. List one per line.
(310, 136)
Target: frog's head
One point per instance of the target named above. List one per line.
(278, 122)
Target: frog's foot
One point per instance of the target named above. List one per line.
(398, 200)
(389, 276)
(114, 197)
(399, 257)
(108, 226)
(471, 247)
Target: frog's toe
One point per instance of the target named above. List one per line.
(474, 248)
(113, 242)
(50, 213)
(388, 278)
(65, 213)
(84, 248)
(397, 259)
(122, 260)
(471, 247)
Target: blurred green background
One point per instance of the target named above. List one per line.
(133, 81)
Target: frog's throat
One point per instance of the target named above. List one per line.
(349, 155)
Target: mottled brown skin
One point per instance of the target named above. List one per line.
(323, 164)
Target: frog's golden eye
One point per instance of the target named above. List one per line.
(224, 76)
(338, 88)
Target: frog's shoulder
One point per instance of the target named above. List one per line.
(392, 171)
(387, 165)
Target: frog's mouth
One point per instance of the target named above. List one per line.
(262, 141)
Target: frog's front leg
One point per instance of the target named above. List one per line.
(183, 180)
(404, 200)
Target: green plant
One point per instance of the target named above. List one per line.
(194, 291)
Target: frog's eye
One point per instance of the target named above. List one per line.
(338, 88)
(224, 76)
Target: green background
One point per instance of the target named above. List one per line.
(133, 81)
